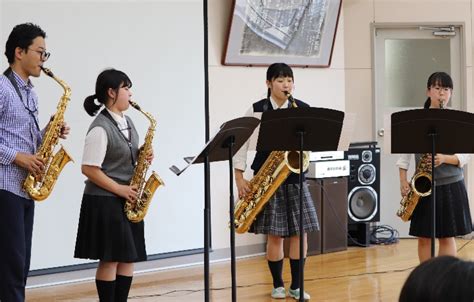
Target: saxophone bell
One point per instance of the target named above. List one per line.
(420, 186)
(292, 160)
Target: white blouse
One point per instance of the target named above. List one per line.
(240, 157)
(403, 161)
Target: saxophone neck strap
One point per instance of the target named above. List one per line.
(128, 140)
(9, 74)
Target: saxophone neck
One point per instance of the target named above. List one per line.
(66, 88)
(150, 118)
(291, 99)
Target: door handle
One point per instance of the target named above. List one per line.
(381, 132)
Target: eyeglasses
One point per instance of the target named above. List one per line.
(439, 89)
(44, 54)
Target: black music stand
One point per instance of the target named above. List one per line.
(303, 129)
(230, 138)
(432, 131)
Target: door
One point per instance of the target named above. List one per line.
(404, 57)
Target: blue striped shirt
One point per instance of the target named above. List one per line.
(18, 131)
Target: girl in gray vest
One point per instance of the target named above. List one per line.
(453, 216)
(110, 154)
(280, 216)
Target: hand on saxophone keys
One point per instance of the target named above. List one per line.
(31, 162)
(65, 129)
(150, 155)
(404, 187)
(128, 192)
(242, 184)
(439, 159)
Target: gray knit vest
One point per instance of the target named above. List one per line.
(445, 174)
(117, 163)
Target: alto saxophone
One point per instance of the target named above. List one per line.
(420, 184)
(136, 210)
(41, 185)
(263, 185)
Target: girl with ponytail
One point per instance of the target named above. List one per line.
(110, 154)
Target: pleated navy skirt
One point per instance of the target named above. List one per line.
(104, 232)
(453, 217)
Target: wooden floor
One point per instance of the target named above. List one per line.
(376, 273)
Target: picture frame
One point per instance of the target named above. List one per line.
(296, 32)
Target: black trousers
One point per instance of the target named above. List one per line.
(16, 228)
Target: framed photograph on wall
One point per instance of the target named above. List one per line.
(297, 32)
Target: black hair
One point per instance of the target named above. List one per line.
(443, 278)
(441, 79)
(22, 36)
(109, 78)
(277, 70)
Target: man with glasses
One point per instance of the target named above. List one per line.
(20, 136)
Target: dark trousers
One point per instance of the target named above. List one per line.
(16, 228)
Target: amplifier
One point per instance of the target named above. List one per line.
(326, 155)
(328, 168)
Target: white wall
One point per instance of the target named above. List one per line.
(234, 89)
(159, 45)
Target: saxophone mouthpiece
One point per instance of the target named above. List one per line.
(441, 103)
(134, 105)
(47, 71)
(289, 96)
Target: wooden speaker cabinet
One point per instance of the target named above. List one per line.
(334, 215)
(330, 199)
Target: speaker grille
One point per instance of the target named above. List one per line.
(366, 174)
(362, 205)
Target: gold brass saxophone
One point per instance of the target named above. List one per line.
(41, 185)
(136, 210)
(263, 185)
(420, 184)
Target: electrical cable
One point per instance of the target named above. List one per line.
(185, 292)
(384, 234)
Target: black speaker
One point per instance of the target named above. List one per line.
(363, 188)
(358, 234)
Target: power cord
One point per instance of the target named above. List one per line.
(384, 234)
